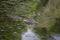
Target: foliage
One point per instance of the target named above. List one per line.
(47, 18)
(48, 10)
(56, 27)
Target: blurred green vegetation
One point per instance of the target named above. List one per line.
(10, 30)
(49, 17)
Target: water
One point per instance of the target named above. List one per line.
(30, 35)
(56, 36)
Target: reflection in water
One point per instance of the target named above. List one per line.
(29, 35)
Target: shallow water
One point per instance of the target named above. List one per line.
(56, 36)
(30, 35)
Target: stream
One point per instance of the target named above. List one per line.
(56, 36)
(29, 34)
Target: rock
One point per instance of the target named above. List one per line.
(14, 17)
(29, 21)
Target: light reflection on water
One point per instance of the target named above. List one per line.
(29, 35)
